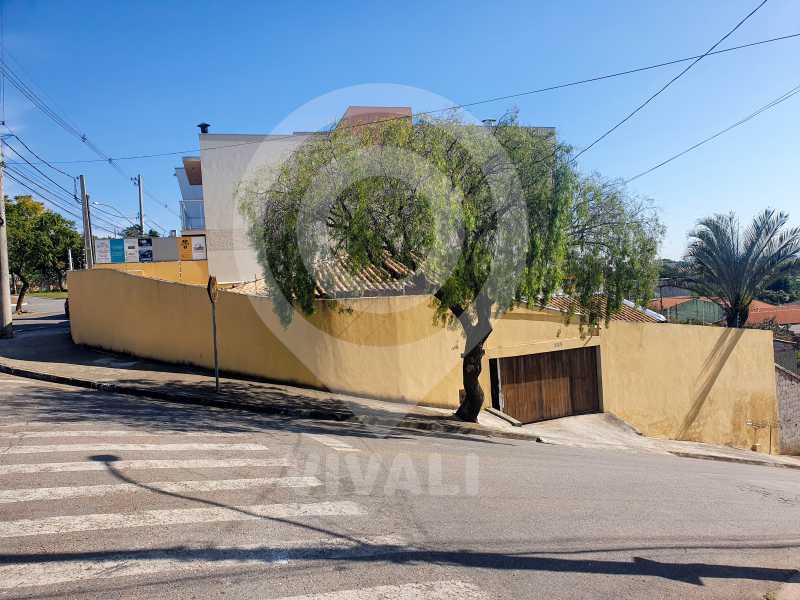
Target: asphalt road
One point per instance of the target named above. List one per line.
(105, 496)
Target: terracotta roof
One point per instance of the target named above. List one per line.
(336, 280)
(783, 314)
(363, 115)
(627, 312)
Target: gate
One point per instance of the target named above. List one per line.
(536, 387)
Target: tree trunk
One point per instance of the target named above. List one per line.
(470, 407)
(22, 291)
(737, 316)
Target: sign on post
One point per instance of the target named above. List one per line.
(213, 294)
(212, 289)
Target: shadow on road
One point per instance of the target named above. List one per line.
(690, 572)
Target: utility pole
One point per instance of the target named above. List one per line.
(87, 228)
(6, 323)
(69, 258)
(140, 185)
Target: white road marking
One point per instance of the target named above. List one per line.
(60, 493)
(155, 562)
(438, 590)
(332, 442)
(182, 516)
(130, 465)
(112, 433)
(126, 447)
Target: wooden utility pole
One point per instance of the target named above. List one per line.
(6, 323)
(87, 228)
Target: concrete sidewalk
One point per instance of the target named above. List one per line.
(43, 349)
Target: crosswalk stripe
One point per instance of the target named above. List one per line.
(60, 493)
(184, 516)
(155, 562)
(115, 433)
(125, 465)
(439, 590)
(332, 442)
(126, 447)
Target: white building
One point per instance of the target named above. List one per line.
(209, 184)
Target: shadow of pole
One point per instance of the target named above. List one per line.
(109, 459)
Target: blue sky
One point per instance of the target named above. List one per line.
(137, 77)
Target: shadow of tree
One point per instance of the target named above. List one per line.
(44, 403)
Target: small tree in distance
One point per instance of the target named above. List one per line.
(38, 243)
(734, 266)
(484, 218)
(133, 231)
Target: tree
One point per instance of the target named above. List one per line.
(482, 217)
(782, 290)
(734, 266)
(38, 243)
(133, 231)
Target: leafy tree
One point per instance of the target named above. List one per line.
(38, 243)
(483, 219)
(133, 231)
(734, 266)
(670, 269)
(782, 290)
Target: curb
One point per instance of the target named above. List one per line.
(179, 397)
(433, 425)
(732, 459)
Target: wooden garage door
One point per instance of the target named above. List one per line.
(536, 387)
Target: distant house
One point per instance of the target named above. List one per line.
(698, 309)
(208, 185)
(688, 309)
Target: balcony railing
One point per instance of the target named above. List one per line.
(192, 215)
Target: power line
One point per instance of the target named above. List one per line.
(51, 201)
(34, 167)
(43, 161)
(669, 83)
(44, 190)
(456, 106)
(62, 122)
(783, 98)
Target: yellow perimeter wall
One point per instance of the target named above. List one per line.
(185, 271)
(673, 381)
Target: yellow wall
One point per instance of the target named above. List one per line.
(690, 382)
(186, 271)
(677, 381)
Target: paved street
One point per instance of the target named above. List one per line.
(108, 496)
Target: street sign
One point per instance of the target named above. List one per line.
(212, 289)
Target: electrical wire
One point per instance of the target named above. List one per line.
(43, 190)
(43, 161)
(34, 167)
(783, 98)
(62, 122)
(52, 202)
(669, 83)
(456, 106)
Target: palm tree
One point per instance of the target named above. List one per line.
(733, 267)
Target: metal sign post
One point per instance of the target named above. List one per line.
(213, 294)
